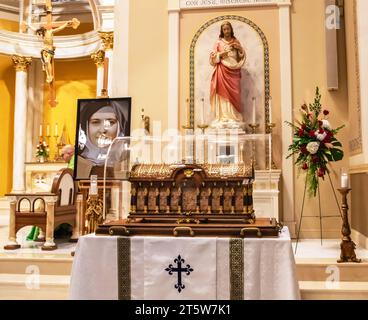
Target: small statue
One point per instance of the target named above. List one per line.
(94, 213)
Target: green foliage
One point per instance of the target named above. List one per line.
(42, 150)
(314, 143)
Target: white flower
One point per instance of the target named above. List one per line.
(321, 136)
(313, 147)
(326, 124)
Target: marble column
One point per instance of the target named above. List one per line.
(50, 223)
(20, 122)
(99, 59)
(78, 227)
(288, 218)
(12, 243)
(120, 73)
(108, 45)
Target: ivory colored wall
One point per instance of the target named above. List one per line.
(148, 56)
(148, 77)
(7, 91)
(359, 201)
(74, 80)
(353, 80)
(309, 71)
(267, 20)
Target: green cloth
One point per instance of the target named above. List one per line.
(33, 235)
(71, 163)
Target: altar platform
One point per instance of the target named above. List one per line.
(312, 262)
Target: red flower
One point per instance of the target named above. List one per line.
(301, 133)
(303, 149)
(315, 159)
(305, 166)
(312, 133)
(321, 172)
(320, 123)
(326, 112)
(304, 126)
(321, 131)
(328, 137)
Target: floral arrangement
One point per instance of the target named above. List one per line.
(42, 150)
(314, 143)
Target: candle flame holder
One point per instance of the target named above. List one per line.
(347, 246)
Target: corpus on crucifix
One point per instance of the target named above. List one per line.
(46, 31)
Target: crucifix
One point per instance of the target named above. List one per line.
(179, 269)
(46, 31)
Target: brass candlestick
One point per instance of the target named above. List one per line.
(347, 246)
(254, 127)
(270, 126)
(271, 164)
(188, 125)
(203, 128)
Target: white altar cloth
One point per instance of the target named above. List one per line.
(138, 268)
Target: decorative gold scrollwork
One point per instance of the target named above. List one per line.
(187, 220)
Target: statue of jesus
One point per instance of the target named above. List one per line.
(227, 58)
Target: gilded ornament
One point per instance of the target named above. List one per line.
(98, 58)
(21, 63)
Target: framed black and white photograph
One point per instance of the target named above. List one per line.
(99, 122)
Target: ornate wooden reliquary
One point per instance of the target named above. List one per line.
(192, 199)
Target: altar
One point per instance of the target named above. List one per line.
(160, 268)
(39, 176)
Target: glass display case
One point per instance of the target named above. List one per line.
(227, 153)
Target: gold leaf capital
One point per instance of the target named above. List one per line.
(107, 39)
(21, 63)
(98, 58)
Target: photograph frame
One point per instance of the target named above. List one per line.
(122, 107)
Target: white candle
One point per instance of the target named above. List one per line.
(56, 130)
(40, 130)
(48, 130)
(93, 190)
(270, 108)
(202, 111)
(344, 180)
(270, 152)
(187, 112)
(254, 110)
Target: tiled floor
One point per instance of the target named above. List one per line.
(307, 248)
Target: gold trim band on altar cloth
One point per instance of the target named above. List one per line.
(236, 257)
(124, 276)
